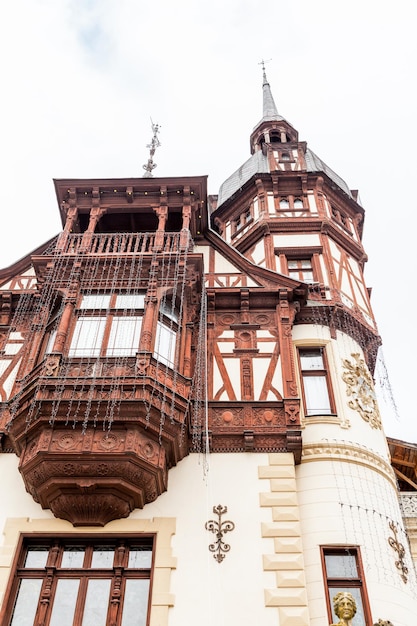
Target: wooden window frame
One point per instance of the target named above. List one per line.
(357, 582)
(322, 373)
(109, 315)
(312, 254)
(52, 572)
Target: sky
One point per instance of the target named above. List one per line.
(84, 79)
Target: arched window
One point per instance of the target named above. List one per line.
(298, 203)
(284, 204)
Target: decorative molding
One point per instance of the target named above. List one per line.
(350, 453)
(400, 550)
(408, 504)
(219, 528)
(360, 388)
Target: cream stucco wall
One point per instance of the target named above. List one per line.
(190, 584)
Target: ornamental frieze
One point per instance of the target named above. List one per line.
(360, 390)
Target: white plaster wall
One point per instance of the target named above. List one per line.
(358, 430)
(347, 494)
(346, 503)
(205, 591)
(288, 241)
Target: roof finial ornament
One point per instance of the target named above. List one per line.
(155, 143)
(263, 69)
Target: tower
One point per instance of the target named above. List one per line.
(185, 377)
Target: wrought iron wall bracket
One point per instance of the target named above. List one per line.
(219, 528)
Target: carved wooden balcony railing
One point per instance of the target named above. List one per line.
(124, 243)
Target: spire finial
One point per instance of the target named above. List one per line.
(155, 143)
(263, 61)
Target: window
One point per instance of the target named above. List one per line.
(301, 269)
(293, 203)
(241, 221)
(315, 381)
(108, 325)
(343, 571)
(71, 582)
(166, 334)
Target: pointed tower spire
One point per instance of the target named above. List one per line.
(273, 127)
(270, 110)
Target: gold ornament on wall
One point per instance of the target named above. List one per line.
(360, 389)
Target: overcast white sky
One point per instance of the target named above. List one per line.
(82, 78)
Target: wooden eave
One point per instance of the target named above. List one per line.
(268, 278)
(23, 264)
(133, 195)
(404, 463)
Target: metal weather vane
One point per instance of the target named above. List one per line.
(155, 143)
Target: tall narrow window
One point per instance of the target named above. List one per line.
(343, 572)
(73, 582)
(315, 380)
(166, 334)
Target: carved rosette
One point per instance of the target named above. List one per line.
(360, 390)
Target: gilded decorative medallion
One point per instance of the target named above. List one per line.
(360, 389)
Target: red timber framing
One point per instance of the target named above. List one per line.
(97, 433)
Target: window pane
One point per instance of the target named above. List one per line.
(140, 558)
(51, 341)
(311, 360)
(317, 397)
(27, 602)
(168, 311)
(95, 301)
(64, 602)
(307, 277)
(135, 605)
(124, 336)
(341, 566)
(103, 557)
(165, 344)
(36, 557)
(72, 557)
(88, 337)
(130, 301)
(359, 619)
(97, 603)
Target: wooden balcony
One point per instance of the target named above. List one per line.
(96, 440)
